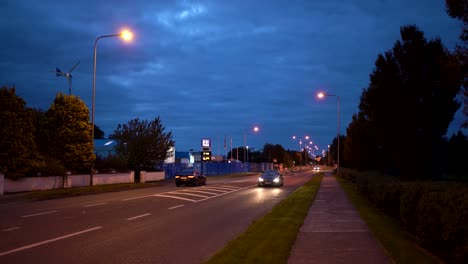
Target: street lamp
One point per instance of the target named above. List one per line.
(300, 148)
(321, 95)
(254, 129)
(127, 36)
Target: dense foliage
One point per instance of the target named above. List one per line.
(143, 144)
(436, 213)
(459, 9)
(405, 112)
(69, 129)
(18, 155)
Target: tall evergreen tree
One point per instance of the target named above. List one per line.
(459, 9)
(410, 102)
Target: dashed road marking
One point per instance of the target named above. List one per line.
(48, 241)
(96, 204)
(138, 197)
(174, 207)
(36, 214)
(138, 216)
(10, 229)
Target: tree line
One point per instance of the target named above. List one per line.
(404, 113)
(34, 142)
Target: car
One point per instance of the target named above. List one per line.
(316, 167)
(190, 177)
(271, 178)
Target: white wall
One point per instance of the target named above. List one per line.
(56, 182)
(102, 179)
(152, 176)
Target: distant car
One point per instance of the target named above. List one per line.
(316, 167)
(189, 177)
(271, 178)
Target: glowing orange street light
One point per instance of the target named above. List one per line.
(127, 36)
(321, 95)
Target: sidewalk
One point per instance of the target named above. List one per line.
(333, 231)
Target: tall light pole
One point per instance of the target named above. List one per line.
(300, 149)
(321, 95)
(127, 36)
(254, 129)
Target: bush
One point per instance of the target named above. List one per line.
(435, 212)
(110, 164)
(53, 167)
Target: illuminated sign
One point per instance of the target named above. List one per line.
(206, 142)
(206, 155)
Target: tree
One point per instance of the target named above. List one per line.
(410, 102)
(69, 139)
(277, 154)
(143, 143)
(358, 153)
(98, 133)
(456, 155)
(18, 155)
(459, 9)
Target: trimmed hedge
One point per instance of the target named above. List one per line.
(436, 213)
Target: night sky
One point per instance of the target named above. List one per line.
(212, 69)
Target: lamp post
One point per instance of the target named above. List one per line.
(300, 149)
(321, 95)
(254, 129)
(127, 36)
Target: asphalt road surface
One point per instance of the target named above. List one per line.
(163, 224)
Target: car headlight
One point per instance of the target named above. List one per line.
(177, 177)
(260, 179)
(276, 180)
(191, 177)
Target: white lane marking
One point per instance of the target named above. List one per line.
(96, 204)
(136, 217)
(189, 194)
(10, 229)
(174, 207)
(43, 213)
(138, 197)
(226, 193)
(213, 193)
(216, 189)
(48, 241)
(230, 187)
(175, 197)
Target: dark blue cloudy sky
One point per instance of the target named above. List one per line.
(211, 68)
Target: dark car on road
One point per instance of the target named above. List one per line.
(190, 177)
(271, 178)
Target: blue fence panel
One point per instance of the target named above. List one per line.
(216, 168)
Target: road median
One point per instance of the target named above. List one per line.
(270, 239)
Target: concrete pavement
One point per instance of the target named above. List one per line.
(333, 231)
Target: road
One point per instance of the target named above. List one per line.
(163, 224)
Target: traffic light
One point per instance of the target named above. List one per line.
(206, 155)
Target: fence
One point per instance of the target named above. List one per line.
(216, 168)
(57, 182)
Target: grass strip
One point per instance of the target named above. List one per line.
(397, 242)
(70, 192)
(270, 239)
